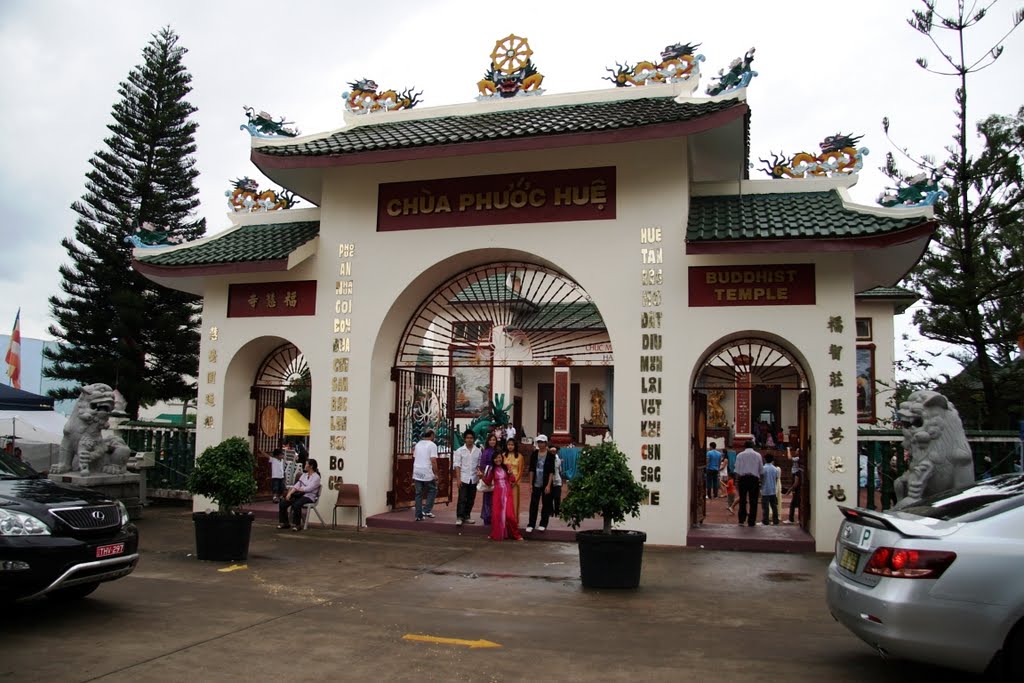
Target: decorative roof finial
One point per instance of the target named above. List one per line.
(920, 190)
(263, 125)
(738, 76)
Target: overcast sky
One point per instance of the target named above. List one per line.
(824, 66)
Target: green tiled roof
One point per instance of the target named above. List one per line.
(266, 242)
(574, 316)
(889, 293)
(503, 125)
(791, 215)
(491, 290)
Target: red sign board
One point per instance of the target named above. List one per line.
(775, 285)
(561, 417)
(578, 194)
(264, 299)
(743, 403)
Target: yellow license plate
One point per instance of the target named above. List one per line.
(848, 560)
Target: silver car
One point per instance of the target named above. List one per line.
(939, 582)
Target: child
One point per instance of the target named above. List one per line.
(730, 491)
(277, 474)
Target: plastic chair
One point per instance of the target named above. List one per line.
(348, 497)
(308, 508)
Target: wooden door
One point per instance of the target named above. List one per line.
(803, 413)
(267, 432)
(698, 457)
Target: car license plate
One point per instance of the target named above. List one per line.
(848, 560)
(110, 550)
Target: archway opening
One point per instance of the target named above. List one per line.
(504, 344)
(281, 390)
(750, 389)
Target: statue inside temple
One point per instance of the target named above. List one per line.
(716, 413)
(598, 415)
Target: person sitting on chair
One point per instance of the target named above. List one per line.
(306, 490)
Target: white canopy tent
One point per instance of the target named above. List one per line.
(37, 433)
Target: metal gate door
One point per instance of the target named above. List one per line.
(267, 432)
(803, 409)
(698, 504)
(422, 400)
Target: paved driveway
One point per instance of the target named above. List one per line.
(399, 606)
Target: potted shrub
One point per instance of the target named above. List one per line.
(224, 473)
(604, 485)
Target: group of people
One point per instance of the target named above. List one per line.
(497, 471)
(291, 499)
(13, 451)
(753, 477)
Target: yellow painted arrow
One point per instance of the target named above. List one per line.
(234, 568)
(473, 644)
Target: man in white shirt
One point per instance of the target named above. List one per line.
(749, 467)
(466, 462)
(424, 474)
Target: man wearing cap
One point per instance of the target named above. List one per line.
(542, 467)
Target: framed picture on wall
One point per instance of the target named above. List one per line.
(863, 329)
(517, 378)
(471, 369)
(866, 383)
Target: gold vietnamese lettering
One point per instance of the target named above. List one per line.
(342, 345)
(346, 250)
(342, 325)
(339, 404)
(339, 423)
(339, 384)
(343, 288)
(341, 364)
(345, 269)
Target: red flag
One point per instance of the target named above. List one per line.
(14, 354)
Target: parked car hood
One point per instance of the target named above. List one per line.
(40, 491)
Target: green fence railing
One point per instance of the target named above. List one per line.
(881, 461)
(174, 449)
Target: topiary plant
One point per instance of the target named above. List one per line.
(225, 473)
(604, 485)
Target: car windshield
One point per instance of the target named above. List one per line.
(11, 467)
(976, 498)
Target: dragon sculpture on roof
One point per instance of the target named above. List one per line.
(246, 197)
(839, 156)
(919, 190)
(365, 96)
(678, 63)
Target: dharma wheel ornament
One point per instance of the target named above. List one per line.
(512, 71)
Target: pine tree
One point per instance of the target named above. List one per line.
(118, 327)
(973, 275)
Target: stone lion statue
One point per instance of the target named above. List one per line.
(940, 457)
(83, 435)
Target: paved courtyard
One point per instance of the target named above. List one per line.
(406, 606)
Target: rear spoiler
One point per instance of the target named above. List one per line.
(867, 518)
(901, 525)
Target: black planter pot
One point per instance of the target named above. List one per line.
(611, 560)
(222, 537)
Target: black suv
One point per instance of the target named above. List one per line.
(58, 540)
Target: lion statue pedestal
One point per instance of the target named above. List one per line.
(90, 458)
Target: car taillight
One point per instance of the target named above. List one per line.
(901, 563)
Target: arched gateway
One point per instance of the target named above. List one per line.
(450, 254)
(283, 370)
(484, 339)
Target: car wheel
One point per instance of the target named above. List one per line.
(1013, 655)
(74, 592)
